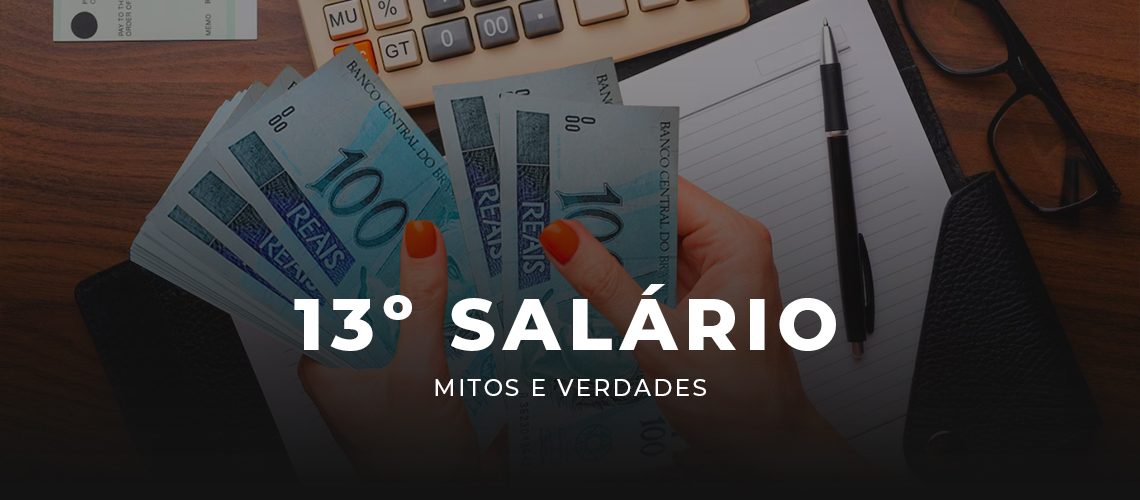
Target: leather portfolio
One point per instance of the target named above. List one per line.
(996, 393)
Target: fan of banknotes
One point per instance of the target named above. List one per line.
(301, 189)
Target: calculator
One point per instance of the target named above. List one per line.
(417, 44)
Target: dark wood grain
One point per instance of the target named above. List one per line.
(1091, 266)
(91, 133)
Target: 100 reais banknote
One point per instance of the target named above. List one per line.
(301, 190)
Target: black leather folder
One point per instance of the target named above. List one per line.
(996, 393)
(188, 393)
(993, 375)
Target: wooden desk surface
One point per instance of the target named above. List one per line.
(91, 133)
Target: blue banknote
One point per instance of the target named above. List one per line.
(614, 169)
(234, 278)
(336, 168)
(468, 116)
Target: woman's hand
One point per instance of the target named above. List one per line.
(388, 420)
(755, 411)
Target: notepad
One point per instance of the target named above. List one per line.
(752, 134)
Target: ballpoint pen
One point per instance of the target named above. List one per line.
(855, 281)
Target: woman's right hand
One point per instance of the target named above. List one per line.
(755, 411)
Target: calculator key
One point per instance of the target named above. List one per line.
(540, 18)
(345, 19)
(388, 13)
(436, 8)
(596, 11)
(480, 3)
(496, 28)
(365, 48)
(648, 5)
(448, 39)
(399, 51)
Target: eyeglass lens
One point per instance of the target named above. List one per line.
(958, 33)
(1049, 167)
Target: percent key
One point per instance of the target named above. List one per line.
(388, 13)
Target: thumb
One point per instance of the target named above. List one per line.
(423, 280)
(592, 271)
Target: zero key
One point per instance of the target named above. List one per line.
(448, 39)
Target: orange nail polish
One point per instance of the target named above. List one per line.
(419, 237)
(560, 240)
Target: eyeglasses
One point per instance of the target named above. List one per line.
(1034, 139)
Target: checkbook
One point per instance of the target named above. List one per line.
(141, 20)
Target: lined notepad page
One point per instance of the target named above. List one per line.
(752, 134)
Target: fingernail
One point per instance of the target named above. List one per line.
(560, 240)
(419, 237)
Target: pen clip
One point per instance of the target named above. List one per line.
(868, 287)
